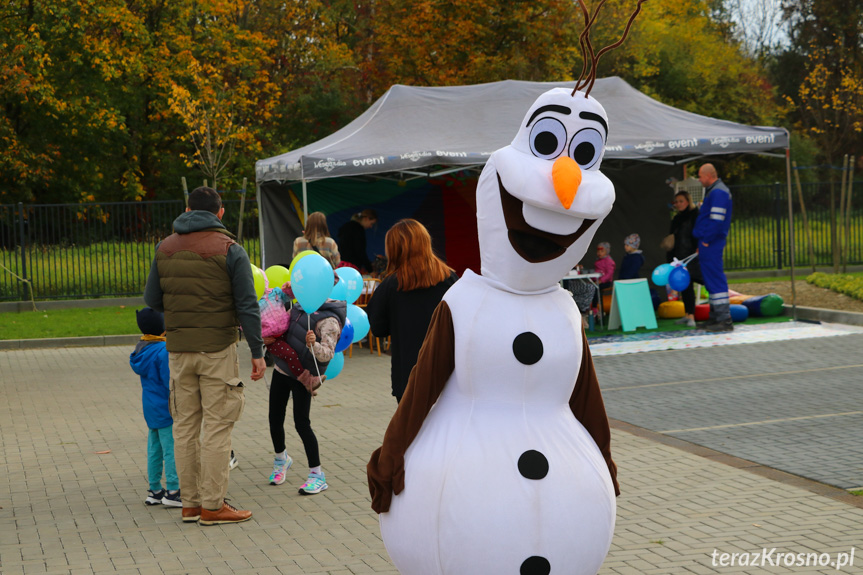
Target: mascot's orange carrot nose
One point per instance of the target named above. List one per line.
(566, 176)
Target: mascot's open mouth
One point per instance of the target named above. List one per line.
(530, 243)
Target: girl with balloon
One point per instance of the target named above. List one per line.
(302, 355)
(414, 283)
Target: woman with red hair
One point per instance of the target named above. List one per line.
(414, 283)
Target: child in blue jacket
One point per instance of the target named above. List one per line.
(150, 361)
(630, 267)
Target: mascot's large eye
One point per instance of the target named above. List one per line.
(586, 148)
(547, 138)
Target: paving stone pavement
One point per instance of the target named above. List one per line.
(65, 509)
(794, 405)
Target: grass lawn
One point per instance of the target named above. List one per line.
(118, 320)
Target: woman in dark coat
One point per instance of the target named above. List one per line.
(685, 245)
(414, 283)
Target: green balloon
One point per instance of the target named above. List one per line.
(260, 281)
(278, 276)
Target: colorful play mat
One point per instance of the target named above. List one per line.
(638, 342)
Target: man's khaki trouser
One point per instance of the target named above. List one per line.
(204, 387)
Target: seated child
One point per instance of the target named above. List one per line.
(604, 265)
(150, 361)
(583, 292)
(301, 355)
(630, 267)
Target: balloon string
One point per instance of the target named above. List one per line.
(684, 261)
(317, 369)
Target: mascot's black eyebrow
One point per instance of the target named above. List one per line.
(595, 118)
(549, 108)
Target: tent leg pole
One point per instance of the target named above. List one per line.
(305, 203)
(791, 247)
(260, 225)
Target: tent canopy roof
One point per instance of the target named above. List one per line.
(414, 129)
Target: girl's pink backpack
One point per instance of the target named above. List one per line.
(274, 316)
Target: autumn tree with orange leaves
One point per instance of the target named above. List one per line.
(109, 98)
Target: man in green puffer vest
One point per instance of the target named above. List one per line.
(202, 280)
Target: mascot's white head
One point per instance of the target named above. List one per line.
(541, 199)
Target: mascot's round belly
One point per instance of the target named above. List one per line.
(502, 478)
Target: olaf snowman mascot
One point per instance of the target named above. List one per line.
(497, 460)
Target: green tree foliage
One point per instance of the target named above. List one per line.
(90, 89)
(681, 52)
(820, 74)
(103, 99)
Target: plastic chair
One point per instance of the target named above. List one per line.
(369, 287)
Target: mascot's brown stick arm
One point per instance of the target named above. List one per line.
(587, 407)
(435, 364)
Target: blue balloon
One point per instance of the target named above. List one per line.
(312, 281)
(340, 291)
(678, 279)
(359, 320)
(335, 366)
(660, 274)
(347, 336)
(353, 282)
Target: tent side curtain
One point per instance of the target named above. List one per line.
(445, 206)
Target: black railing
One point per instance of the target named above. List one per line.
(104, 250)
(94, 250)
(758, 238)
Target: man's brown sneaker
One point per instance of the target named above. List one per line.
(227, 514)
(191, 514)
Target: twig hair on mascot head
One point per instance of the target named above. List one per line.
(511, 471)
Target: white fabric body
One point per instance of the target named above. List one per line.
(465, 508)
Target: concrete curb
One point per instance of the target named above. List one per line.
(799, 273)
(825, 315)
(93, 341)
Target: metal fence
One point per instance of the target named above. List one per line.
(758, 238)
(103, 250)
(80, 251)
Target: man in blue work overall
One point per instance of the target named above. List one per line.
(711, 230)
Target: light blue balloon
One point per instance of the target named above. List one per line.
(359, 320)
(312, 281)
(347, 336)
(340, 291)
(353, 281)
(335, 366)
(661, 273)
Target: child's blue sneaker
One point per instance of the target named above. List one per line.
(314, 484)
(155, 497)
(172, 499)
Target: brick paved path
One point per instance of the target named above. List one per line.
(67, 510)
